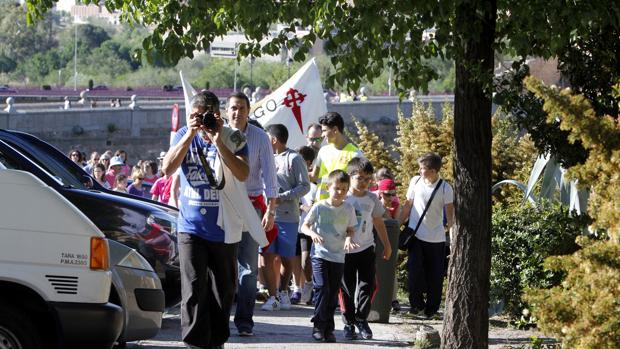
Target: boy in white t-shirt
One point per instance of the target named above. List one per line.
(358, 280)
(331, 224)
(427, 249)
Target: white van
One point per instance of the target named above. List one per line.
(54, 270)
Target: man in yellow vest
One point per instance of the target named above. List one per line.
(333, 156)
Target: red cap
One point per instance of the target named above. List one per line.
(386, 185)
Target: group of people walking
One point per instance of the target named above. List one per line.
(251, 208)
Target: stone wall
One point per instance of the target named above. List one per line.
(144, 132)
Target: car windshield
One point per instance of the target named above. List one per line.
(69, 177)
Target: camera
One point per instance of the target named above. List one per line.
(208, 120)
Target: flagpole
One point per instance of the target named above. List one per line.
(235, 79)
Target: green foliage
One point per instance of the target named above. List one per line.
(591, 66)
(522, 237)
(525, 110)
(374, 149)
(6, 64)
(18, 40)
(583, 311)
(419, 134)
(601, 137)
(512, 154)
(91, 36)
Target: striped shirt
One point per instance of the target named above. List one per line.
(262, 166)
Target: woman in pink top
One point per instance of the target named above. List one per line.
(161, 189)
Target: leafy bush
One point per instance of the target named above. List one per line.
(584, 310)
(522, 237)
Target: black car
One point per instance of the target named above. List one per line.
(144, 225)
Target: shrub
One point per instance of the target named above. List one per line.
(584, 310)
(522, 237)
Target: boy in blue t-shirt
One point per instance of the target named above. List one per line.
(331, 224)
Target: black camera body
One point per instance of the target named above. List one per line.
(208, 120)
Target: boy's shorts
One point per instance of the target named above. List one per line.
(305, 243)
(286, 242)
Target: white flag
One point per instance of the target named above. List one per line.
(188, 94)
(296, 104)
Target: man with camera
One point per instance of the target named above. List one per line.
(208, 254)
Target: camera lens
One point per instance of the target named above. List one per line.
(208, 120)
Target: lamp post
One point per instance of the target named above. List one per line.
(252, 71)
(75, 56)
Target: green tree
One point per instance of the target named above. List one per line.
(18, 41)
(358, 35)
(373, 147)
(6, 64)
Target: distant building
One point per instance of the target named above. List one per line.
(226, 46)
(82, 12)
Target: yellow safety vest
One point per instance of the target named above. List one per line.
(333, 159)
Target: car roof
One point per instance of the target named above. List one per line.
(36, 147)
(53, 173)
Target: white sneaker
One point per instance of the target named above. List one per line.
(271, 304)
(306, 293)
(285, 301)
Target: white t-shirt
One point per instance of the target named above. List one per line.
(431, 229)
(366, 208)
(331, 224)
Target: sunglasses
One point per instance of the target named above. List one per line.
(315, 139)
(140, 178)
(388, 194)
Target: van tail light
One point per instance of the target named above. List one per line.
(99, 255)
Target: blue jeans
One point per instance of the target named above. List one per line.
(326, 277)
(247, 258)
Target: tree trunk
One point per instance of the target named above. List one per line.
(467, 297)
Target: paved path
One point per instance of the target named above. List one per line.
(291, 329)
(283, 329)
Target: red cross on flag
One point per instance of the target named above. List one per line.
(296, 104)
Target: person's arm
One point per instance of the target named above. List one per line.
(268, 171)
(270, 213)
(316, 238)
(175, 155)
(450, 214)
(383, 236)
(174, 189)
(348, 241)
(307, 229)
(302, 185)
(314, 176)
(406, 210)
